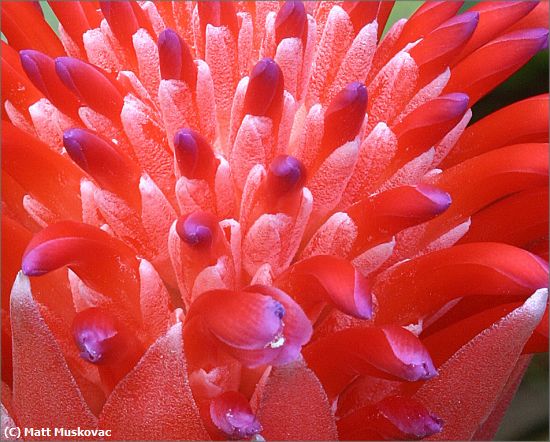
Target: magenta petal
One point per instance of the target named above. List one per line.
(231, 413)
(154, 401)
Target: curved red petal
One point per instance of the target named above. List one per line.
(466, 270)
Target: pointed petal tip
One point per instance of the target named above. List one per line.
(291, 21)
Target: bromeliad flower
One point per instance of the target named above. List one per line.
(261, 220)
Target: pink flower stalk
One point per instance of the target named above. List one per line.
(263, 220)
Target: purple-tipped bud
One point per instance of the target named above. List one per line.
(40, 68)
(264, 95)
(176, 61)
(344, 116)
(91, 85)
(231, 414)
(198, 230)
(98, 336)
(218, 13)
(101, 159)
(291, 21)
(194, 155)
(286, 175)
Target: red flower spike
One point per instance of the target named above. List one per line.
(218, 13)
(176, 60)
(41, 71)
(194, 155)
(378, 351)
(291, 22)
(431, 56)
(329, 279)
(503, 128)
(393, 418)
(344, 117)
(469, 269)
(380, 217)
(286, 176)
(493, 63)
(361, 13)
(90, 252)
(494, 19)
(24, 27)
(102, 340)
(232, 415)
(110, 167)
(264, 95)
(76, 18)
(91, 85)
(199, 230)
(429, 123)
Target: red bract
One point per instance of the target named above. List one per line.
(261, 220)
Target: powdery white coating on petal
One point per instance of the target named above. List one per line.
(206, 103)
(391, 89)
(448, 239)
(372, 259)
(18, 119)
(83, 296)
(427, 93)
(263, 275)
(154, 301)
(68, 43)
(330, 181)
(249, 196)
(90, 213)
(412, 172)
(335, 237)
(148, 140)
(193, 195)
(335, 42)
(152, 13)
(386, 48)
(128, 78)
(253, 145)
(176, 106)
(50, 123)
(289, 57)
(307, 144)
(223, 185)
(375, 154)
(269, 46)
(157, 214)
(236, 115)
(245, 43)
(101, 124)
(174, 250)
(308, 56)
(220, 55)
(219, 276)
(285, 126)
(148, 60)
(357, 61)
(233, 230)
(449, 141)
(38, 212)
(100, 51)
